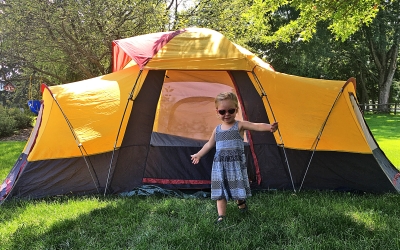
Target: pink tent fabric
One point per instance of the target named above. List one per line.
(140, 48)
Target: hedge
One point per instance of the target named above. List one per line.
(13, 119)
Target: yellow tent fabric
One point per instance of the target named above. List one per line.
(201, 49)
(103, 99)
(87, 116)
(310, 110)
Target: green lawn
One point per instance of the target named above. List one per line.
(276, 220)
(386, 131)
(9, 155)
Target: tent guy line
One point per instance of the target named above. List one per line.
(79, 144)
(264, 94)
(130, 98)
(318, 138)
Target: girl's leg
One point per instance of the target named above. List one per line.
(221, 207)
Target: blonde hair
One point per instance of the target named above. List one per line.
(227, 96)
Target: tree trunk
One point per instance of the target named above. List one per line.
(388, 74)
(383, 37)
(364, 98)
(386, 63)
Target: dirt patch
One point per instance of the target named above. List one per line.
(21, 135)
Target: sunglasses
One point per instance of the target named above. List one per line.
(223, 112)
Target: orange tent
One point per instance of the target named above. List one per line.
(140, 124)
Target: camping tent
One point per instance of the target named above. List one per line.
(140, 124)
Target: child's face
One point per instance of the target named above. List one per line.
(226, 111)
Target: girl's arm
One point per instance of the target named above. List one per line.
(245, 125)
(204, 150)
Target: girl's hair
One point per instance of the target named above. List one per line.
(227, 96)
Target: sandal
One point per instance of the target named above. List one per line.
(220, 219)
(242, 209)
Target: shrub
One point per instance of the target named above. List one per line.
(7, 123)
(12, 119)
(22, 117)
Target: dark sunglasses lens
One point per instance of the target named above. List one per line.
(223, 112)
(231, 111)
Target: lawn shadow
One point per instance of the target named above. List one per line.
(108, 227)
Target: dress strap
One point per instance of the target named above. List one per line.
(236, 125)
(218, 129)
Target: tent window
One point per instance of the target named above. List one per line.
(181, 111)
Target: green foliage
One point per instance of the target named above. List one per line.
(12, 119)
(383, 40)
(344, 18)
(7, 124)
(251, 19)
(67, 41)
(395, 97)
(224, 16)
(22, 118)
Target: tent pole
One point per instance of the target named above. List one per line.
(80, 146)
(279, 132)
(130, 98)
(316, 141)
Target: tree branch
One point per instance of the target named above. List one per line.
(92, 58)
(170, 5)
(373, 50)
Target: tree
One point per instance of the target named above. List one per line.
(344, 17)
(68, 41)
(224, 16)
(6, 71)
(383, 38)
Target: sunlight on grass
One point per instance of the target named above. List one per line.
(391, 148)
(368, 219)
(386, 131)
(10, 151)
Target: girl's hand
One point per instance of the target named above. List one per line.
(274, 127)
(195, 158)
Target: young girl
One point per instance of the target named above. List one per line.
(229, 178)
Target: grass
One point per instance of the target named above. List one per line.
(386, 131)
(10, 151)
(276, 220)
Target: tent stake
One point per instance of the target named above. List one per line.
(130, 98)
(279, 132)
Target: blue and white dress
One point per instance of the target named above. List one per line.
(229, 179)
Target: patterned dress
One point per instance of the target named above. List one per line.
(229, 179)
